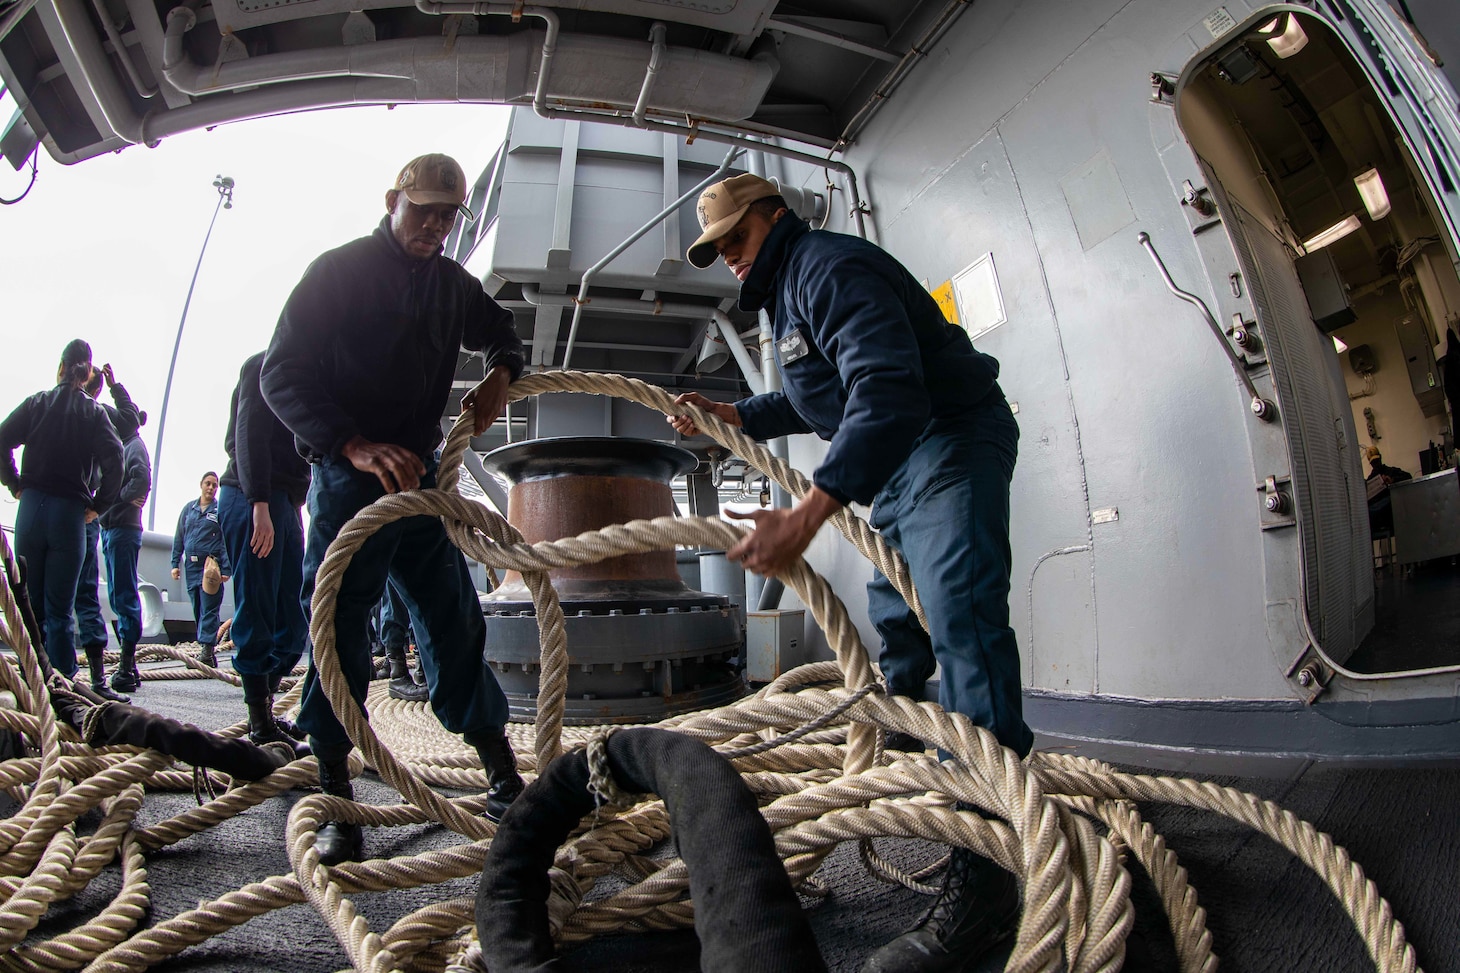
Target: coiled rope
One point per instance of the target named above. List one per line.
(824, 782)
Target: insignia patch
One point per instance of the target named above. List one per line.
(792, 347)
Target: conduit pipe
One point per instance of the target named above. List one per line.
(122, 55)
(657, 34)
(689, 132)
(737, 349)
(608, 258)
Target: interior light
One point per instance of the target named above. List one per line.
(1337, 231)
(1284, 35)
(1338, 345)
(1371, 189)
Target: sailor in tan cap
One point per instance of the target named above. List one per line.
(360, 370)
(916, 426)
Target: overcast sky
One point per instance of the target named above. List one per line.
(103, 250)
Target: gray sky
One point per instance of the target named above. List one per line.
(103, 250)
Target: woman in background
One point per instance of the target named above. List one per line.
(65, 435)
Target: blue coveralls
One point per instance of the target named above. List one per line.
(919, 428)
(90, 626)
(367, 345)
(395, 621)
(197, 538)
(269, 631)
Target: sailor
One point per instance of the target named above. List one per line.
(262, 491)
(360, 371)
(395, 629)
(66, 436)
(919, 428)
(198, 539)
(121, 536)
(91, 627)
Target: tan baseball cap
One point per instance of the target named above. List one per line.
(432, 179)
(720, 207)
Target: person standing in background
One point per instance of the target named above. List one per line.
(264, 486)
(121, 543)
(66, 435)
(197, 538)
(91, 627)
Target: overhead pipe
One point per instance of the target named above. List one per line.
(657, 33)
(900, 71)
(737, 349)
(609, 257)
(691, 131)
(128, 65)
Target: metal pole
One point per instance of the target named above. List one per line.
(224, 185)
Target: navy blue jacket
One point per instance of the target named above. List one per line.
(875, 359)
(261, 453)
(66, 436)
(368, 343)
(136, 485)
(199, 536)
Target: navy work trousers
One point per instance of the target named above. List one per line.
(432, 578)
(50, 533)
(947, 511)
(205, 606)
(269, 630)
(120, 549)
(91, 627)
(395, 621)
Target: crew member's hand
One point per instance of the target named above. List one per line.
(685, 426)
(176, 574)
(223, 631)
(782, 536)
(262, 541)
(140, 502)
(108, 375)
(90, 515)
(397, 468)
(223, 578)
(488, 399)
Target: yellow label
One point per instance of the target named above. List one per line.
(943, 294)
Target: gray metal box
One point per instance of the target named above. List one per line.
(1426, 516)
(775, 643)
(1419, 358)
(1327, 296)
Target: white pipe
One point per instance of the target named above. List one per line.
(122, 55)
(657, 33)
(771, 372)
(737, 349)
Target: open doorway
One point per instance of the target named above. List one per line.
(1354, 276)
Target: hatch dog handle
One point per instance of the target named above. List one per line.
(1261, 408)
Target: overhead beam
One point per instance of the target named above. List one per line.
(818, 29)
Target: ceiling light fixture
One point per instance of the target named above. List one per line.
(1337, 231)
(1284, 35)
(1338, 345)
(1371, 190)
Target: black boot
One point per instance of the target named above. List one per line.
(977, 908)
(337, 841)
(402, 684)
(284, 724)
(208, 655)
(127, 679)
(262, 728)
(503, 781)
(98, 674)
(904, 742)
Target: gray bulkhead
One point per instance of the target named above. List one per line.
(1031, 134)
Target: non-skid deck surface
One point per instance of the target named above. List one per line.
(1266, 911)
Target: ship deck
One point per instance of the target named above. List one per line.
(1265, 910)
